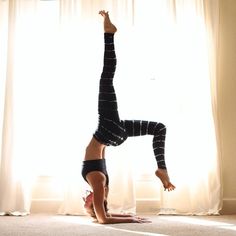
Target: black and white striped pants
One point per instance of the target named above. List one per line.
(113, 131)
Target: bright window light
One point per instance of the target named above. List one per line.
(58, 65)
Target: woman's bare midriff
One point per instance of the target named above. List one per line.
(94, 150)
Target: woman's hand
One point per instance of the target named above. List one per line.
(124, 219)
(137, 219)
(126, 215)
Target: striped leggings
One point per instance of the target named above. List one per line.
(113, 131)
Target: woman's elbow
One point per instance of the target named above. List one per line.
(103, 220)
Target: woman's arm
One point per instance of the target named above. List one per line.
(116, 220)
(120, 215)
(97, 181)
(106, 218)
(132, 218)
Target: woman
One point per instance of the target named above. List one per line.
(112, 131)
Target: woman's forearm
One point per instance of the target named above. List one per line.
(120, 215)
(124, 219)
(117, 220)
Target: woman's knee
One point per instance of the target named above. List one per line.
(160, 129)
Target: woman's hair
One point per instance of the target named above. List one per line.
(88, 205)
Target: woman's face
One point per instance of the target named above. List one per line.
(88, 205)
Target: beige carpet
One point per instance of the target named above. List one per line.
(80, 225)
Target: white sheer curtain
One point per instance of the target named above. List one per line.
(51, 55)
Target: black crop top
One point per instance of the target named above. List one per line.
(95, 165)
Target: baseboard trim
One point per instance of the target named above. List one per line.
(42, 205)
(142, 206)
(45, 205)
(229, 206)
(147, 205)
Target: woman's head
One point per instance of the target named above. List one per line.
(88, 205)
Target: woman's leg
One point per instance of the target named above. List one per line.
(107, 102)
(110, 130)
(158, 130)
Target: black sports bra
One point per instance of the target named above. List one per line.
(95, 165)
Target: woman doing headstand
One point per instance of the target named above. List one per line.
(112, 131)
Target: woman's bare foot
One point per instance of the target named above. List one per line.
(108, 26)
(163, 176)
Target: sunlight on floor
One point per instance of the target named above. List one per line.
(82, 220)
(195, 221)
(136, 232)
(192, 220)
